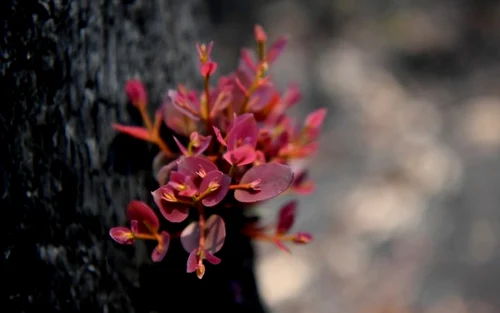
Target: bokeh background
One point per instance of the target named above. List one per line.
(406, 212)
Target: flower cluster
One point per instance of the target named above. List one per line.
(234, 146)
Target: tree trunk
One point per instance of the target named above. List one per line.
(66, 177)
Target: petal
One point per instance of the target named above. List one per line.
(144, 214)
(122, 235)
(240, 156)
(286, 217)
(134, 131)
(217, 195)
(191, 165)
(192, 261)
(190, 237)
(161, 249)
(274, 179)
(216, 234)
(244, 131)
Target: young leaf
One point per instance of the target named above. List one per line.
(240, 156)
(166, 201)
(216, 235)
(145, 216)
(122, 235)
(218, 134)
(221, 181)
(286, 217)
(163, 175)
(244, 131)
(134, 131)
(192, 261)
(190, 237)
(194, 164)
(212, 258)
(136, 93)
(161, 249)
(273, 178)
(302, 238)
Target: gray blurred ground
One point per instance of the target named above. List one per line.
(407, 210)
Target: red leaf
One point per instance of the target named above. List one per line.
(260, 34)
(122, 235)
(208, 68)
(136, 93)
(274, 179)
(161, 249)
(134, 131)
(145, 216)
(276, 49)
(315, 119)
(217, 195)
(282, 246)
(302, 238)
(286, 217)
(244, 131)
(216, 234)
(291, 95)
(200, 143)
(190, 237)
(192, 261)
(173, 211)
(240, 156)
(193, 164)
(212, 258)
(219, 136)
(181, 147)
(162, 176)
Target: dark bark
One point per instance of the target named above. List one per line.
(66, 177)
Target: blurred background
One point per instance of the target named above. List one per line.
(406, 209)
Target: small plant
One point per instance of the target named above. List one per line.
(235, 145)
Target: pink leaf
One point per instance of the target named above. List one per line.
(163, 174)
(282, 246)
(200, 143)
(274, 179)
(216, 196)
(208, 68)
(302, 238)
(276, 49)
(134, 226)
(122, 235)
(145, 216)
(260, 34)
(161, 249)
(286, 217)
(216, 234)
(172, 210)
(181, 146)
(190, 237)
(136, 93)
(240, 156)
(219, 136)
(315, 119)
(134, 131)
(212, 258)
(194, 164)
(292, 95)
(244, 131)
(192, 261)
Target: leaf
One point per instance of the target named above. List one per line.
(200, 143)
(173, 211)
(161, 249)
(274, 179)
(145, 216)
(240, 156)
(286, 217)
(181, 146)
(134, 131)
(122, 235)
(191, 165)
(192, 261)
(302, 238)
(315, 119)
(276, 49)
(216, 235)
(212, 258)
(218, 134)
(163, 175)
(136, 92)
(190, 237)
(244, 131)
(282, 246)
(217, 195)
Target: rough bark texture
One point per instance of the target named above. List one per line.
(66, 177)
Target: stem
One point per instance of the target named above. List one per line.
(241, 186)
(201, 224)
(145, 236)
(146, 119)
(163, 146)
(231, 171)
(206, 106)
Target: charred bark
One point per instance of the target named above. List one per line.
(66, 177)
